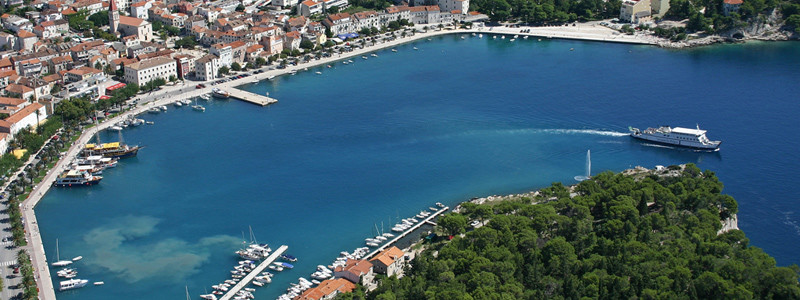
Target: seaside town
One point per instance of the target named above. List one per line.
(123, 58)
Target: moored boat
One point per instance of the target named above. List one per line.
(72, 284)
(112, 150)
(218, 93)
(76, 178)
(676, 136)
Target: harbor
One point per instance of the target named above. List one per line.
(413, 228)
(252, 275)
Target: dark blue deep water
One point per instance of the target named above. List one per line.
(361, 144)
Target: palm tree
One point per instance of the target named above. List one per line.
(38, 129)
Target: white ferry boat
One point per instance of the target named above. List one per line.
(677, 136)
(77, 178)
(72, 284)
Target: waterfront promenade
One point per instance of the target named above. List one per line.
(183, 91)
(251, 97)
(250, 276)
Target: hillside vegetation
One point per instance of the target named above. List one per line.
(617, 237)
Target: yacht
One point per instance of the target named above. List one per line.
(72, 284)
(154, 110)
(111, 150)
(220, 93)
(177, 104)
(76, 178)
(163, 108)
(198, 107)
(677, 136)
(205, 97)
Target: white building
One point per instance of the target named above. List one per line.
(462, 6)
(285, 3)
(149, 69)
(206, 67)
(366, 19)
(225, 54)
(309, 7)
(339, 23)
(140, 28)
(634, 11)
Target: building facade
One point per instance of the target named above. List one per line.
(148, 70)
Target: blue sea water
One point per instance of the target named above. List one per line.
(363, 144)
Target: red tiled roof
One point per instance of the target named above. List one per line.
(22, 113)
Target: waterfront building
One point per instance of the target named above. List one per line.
(140, 28)
(462, 6)
(291, 40)
(185, 65)
(273, 44)
(397, 13)
(389, 262)
(339, 23)
(327, 289)
(206, 67)
(357, 271)
(366, 19)
(148, 70)
(658, 8)
(328, 4)
(424, 14)
(225, 54)
(729, 6)
(634, 11)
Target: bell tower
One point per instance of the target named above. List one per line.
(113, 17)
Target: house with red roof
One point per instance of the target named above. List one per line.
(730, 6)
(327, 289)
(389, 262)
(357, 271)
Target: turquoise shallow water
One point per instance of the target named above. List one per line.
(361, 144)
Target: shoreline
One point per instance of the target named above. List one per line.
(38, 254)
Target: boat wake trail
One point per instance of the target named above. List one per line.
(577, 131)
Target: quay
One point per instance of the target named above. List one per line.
(251, 97)
(252, 275)
(407, 232)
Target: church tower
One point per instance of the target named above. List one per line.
(113, 17)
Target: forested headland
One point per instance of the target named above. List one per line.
(615, 236)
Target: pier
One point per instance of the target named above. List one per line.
(251, 97)
(407, 232)
(252, 275)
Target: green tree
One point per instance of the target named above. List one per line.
(794, 22)
(307, 44)
(236, 67)
(453, 224)
(260, 61)
(223, 71)
(240, 7)
(99, 19)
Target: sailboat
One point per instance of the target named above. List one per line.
(59, 262)
(588, 167)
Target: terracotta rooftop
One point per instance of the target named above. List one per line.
(131, 21)
(18, 89)
(6, 101)
(357, 267)
(84, 70)
(149, 63)
(326, 288)
(24, 112)
(388, 256)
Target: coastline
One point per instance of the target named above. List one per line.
(38, 257)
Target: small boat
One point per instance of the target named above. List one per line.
(318, 73)
(511, 40)
(137, 122)
(218, 93)
(415, 48)
(149, 122)
(163, 107)
(209, 297)
(271, 77)
(293, 72)
(503, 37)
(516, 36)
(187, 102)
(177, 104)
(439, 204)
(571, 49)
(287, 265)
(394, 50)
(258, 283)
(494, 36)
(350, 61)
(433, 208)
(198, 107)
(77, 258)
(154, 110)
(373, 55)
(388, 235)
(373, 244)
(99, 283)
(473, 34)
(205, 97)
(250, 289)
(364, 57)
(480, 35)
(329, 66)
(525, 37)
(463, 37)
(254, 81)
(289, 257)
(115, 128)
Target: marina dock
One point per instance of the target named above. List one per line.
(407, 232)
(252, 275)
(251, 97)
